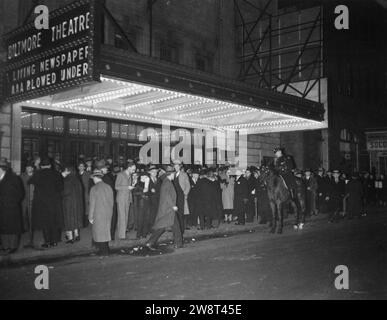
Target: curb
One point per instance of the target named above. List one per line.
(11, 261)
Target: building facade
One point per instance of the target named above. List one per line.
(289, 47)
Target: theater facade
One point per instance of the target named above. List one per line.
(66, 94)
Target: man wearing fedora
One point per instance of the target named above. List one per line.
(154, 193)
(11, 196)
(101, 212)
(336, 196)
(167, 216)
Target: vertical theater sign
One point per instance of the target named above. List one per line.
(41, 62)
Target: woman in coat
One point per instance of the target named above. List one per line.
(101, 212)
(47, 214)
(11, 196)
(73, 208)
(227, 186)
(167, 213)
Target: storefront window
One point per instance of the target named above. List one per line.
(115, 130)
(124, 131)
(83, 126)
(102, 128)
(132, 132)
(26, 120)
(73, 126)
(36, 121)
(48, 123)
(58, 124)
(93, 128)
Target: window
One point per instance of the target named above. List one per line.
(41, 122)
(204, 62)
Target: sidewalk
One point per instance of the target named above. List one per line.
(84, 247)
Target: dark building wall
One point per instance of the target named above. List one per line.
(355, 66)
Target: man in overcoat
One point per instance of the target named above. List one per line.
(101, 212)
(11, 196)
(354, 191)
(47, 211)
(241, 196)
(167, 212)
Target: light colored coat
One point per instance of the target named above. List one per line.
(186, 187)
(101, 211)
(123, 181)
(228, 193)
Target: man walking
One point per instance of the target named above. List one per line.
(167, 216)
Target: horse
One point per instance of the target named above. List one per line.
(279, 197)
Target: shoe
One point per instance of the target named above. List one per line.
(45, 245)
(239, 224)
(54, 244)
(77, 239)
(70, 241)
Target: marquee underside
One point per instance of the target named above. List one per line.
(126, 100)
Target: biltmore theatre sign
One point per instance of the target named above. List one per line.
(45, 61)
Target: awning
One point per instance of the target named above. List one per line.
(139, 88)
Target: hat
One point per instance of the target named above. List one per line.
(308, 170)
(278, 149)
(152, 167)
(97, 174)
(45, 162)
(130, 161)
(177, 162)
(252, 169)
(169, 169)
(336, 171)
(100, 164)
(298, 172)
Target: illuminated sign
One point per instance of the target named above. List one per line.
(377, 145)
(42, 62)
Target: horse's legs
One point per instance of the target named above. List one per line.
(274, 217)
(280, 209)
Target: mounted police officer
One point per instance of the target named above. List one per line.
(284, 165)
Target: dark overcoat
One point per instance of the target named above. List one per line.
(241, 194)
(47, 212)
(11, 196)
(354, 190)
(165, 213)
(154, 197)
(73, 203)
(208, 200)
(85, 178)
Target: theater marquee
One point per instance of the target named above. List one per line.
(42, 62)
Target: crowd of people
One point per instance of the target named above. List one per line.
(117, 198)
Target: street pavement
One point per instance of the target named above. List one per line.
(255, 265)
